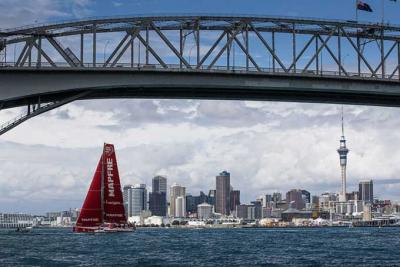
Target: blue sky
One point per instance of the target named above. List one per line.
(338, 9)
(47, 163)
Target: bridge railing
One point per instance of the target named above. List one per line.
(205, 68)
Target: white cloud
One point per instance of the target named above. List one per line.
(266, 146)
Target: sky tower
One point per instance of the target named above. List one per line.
(343, 151)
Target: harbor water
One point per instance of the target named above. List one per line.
(203, 247)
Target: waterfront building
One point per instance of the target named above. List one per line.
(343, 151)
(52, 216)
(292, 213)
(295, 198)
(366, 191)
(245, 211)
(180, 207)
(204, 211)
(175, 192)
(135, 199)
(223, 186)
(15, 220)
(326, 201)
(193, 201)
(367, 215)
(234, 199)
(267, 212)
(158, 203)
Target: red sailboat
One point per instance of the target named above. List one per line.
(103, 209)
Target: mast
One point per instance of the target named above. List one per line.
(102, 183)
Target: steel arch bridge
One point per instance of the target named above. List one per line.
(198, 56)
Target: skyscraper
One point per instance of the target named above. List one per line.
(135, 199)
(343, 151)
(158, 196)
(158, 203)
(222, 198)
(176, 191)
(366, 191)
(234, 199)
(159, 184)
(295, 198)
(180, 207)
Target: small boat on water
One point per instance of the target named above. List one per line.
(24, 229)
(103, 210)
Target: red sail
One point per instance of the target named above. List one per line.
(91, 214)
(114, 211)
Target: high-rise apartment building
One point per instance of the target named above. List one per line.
(158, 203)
(159, 184)
(234, 199)
(180, 207)
(175, 192)
(223, 186)
(158, 196)
(295, 198)
(366, 191)
(135, 199)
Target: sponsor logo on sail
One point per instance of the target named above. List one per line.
(109, 150)
(110, 177)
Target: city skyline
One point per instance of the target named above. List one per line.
(47, 162)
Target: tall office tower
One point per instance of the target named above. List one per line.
(343, 151)
(158, 203)
(295, 198)
(159, 184)
(158, 196)
(176, 191)
(222, 197)
(234, 199)
(366, 191)
(180, 207)
(135, 199)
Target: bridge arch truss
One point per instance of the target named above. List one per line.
(256, 44)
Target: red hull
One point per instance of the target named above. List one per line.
(102, 229)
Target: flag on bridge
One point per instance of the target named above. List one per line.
(363, 6)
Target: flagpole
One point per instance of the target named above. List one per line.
(356, 5)
(383, 11)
